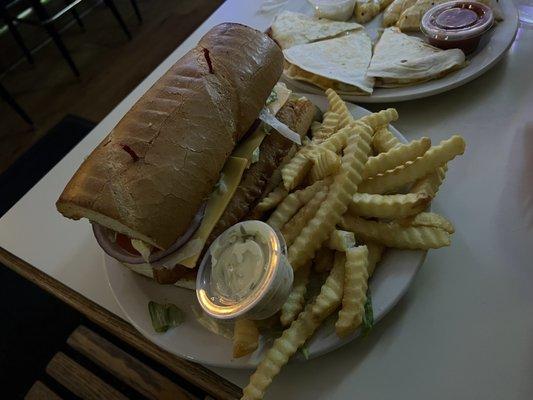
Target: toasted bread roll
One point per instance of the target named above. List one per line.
(153, 172)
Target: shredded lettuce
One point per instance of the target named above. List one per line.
(368, 316)
(305, 352)
(272, 97)
(144, 248)
(255, 155)
(164, 316)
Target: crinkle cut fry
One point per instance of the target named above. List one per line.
(276, 178)
(384, 140)
(294, 171)
(354, 292)
(341, 240)
(315, 128)
(396, 156)
(428, 219)
(328, 127)
(296, 300)
(332, 290)
(413, 170)
(380, 119)
(325, 163)
(392, 234)
(339, 196)
(296, 168)
(338, 140)
(374, 120)
(338, 106)
(297, 334)
(275, 183)
(271, 200)
(292, 203)
(388, 206)
(294, 226)
(430, 183)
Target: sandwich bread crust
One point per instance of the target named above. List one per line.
(152, 173)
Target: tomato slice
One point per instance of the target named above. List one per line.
(125, 242)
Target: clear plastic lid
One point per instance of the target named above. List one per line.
(240, 269)
(457, 20)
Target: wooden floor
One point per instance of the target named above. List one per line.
(111, 374)
(110, 65)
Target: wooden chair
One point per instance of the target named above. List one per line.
(94, 368)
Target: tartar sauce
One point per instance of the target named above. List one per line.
(238, 264)
(245, 273)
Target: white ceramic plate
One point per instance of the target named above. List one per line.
(493, 47)
(192, 341)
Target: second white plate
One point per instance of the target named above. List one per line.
(493, 47)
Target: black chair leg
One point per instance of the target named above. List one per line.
(4, 94)
(16, 35)
(75, 15)
(50, 28)
(137, 11)
(118, 17)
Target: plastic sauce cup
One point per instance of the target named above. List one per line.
(271, 290)
(457, 24)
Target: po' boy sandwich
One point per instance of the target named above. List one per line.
(190, 158)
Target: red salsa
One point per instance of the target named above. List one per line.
(457, 24)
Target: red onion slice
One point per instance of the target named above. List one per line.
(102, 235)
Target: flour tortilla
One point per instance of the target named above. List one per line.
(401, 60)
(366, 10)
(292, 28)
(343, 60)
(411, 17)
(394, 10)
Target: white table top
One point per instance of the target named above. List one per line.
(464, 330)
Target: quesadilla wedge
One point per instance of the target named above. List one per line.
(292, 28)
(401, 60)
(366, 10)
(342, 61)
(394, 10)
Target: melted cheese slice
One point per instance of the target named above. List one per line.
(253, 141)
(217, 203)
(282, 95)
